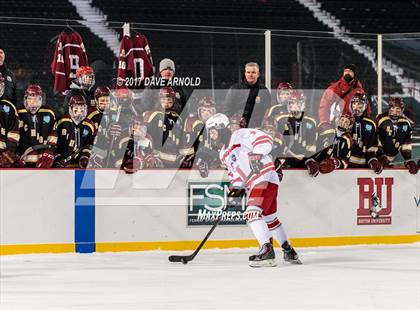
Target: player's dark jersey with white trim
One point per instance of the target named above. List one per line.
(300, 137)
(339, 149)
(71, 138)
(394, 136)
(36, 129)
(365, 141)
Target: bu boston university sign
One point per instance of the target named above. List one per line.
(370, 188)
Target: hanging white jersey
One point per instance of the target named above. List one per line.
(236, 159)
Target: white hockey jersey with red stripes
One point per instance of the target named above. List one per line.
(236, 160)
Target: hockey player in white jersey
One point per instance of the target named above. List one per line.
(245, 155)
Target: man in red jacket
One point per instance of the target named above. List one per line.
(336, 99)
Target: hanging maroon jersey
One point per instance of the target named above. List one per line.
(69, 55)
(135, 62)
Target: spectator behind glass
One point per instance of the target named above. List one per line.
(10, 81)
(337, 96)
(151, 94)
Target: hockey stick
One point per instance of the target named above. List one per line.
(187, 258)
(31, 149)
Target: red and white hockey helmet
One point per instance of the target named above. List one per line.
(124, 96)
(33, 98)
(218, 121)
(86, 77)
(77, 108)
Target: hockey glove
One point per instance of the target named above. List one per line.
(83, 161)
(386, 163)
(278, 167)
(329, 165)
(7, 159)
(313, 167)
(133, 165)
(203, 168)
(19, 163)
(236, 192)
(235, 196)
(255, 163)
(46, 160)
(411, 166)
(375, 165)
(187, 161)
(153, 161)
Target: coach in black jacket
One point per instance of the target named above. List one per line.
(9, 79)
(248, 97)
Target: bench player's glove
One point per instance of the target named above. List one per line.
(133, 165)
(203, 167)
(375, 165)
(255, 162)
(83, 161)
(7, 159)
(313, 167)
(46, 160)
(235, 196)
(329, 165)
(411, 166)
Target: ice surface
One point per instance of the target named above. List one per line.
(355, 277)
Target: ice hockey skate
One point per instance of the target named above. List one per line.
(289, 254)
(265, 257)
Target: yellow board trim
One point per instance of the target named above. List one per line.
(211, 244)
(9, 249)
(225, 244)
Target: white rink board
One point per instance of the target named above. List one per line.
(151, 207)
(36, 206)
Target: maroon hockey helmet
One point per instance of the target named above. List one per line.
(358, 104)
(206, 108)
(296, 103)
(396, 102)
(77, 100)
(77, 108)
(102, 91)
(167, 97)
(284, 85)
(102, 98)
(396, 108)
(345, 122)
(33, 98)
(283, 92)
(269, 125)
(167, 92)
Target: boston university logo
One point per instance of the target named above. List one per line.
(375, 201)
